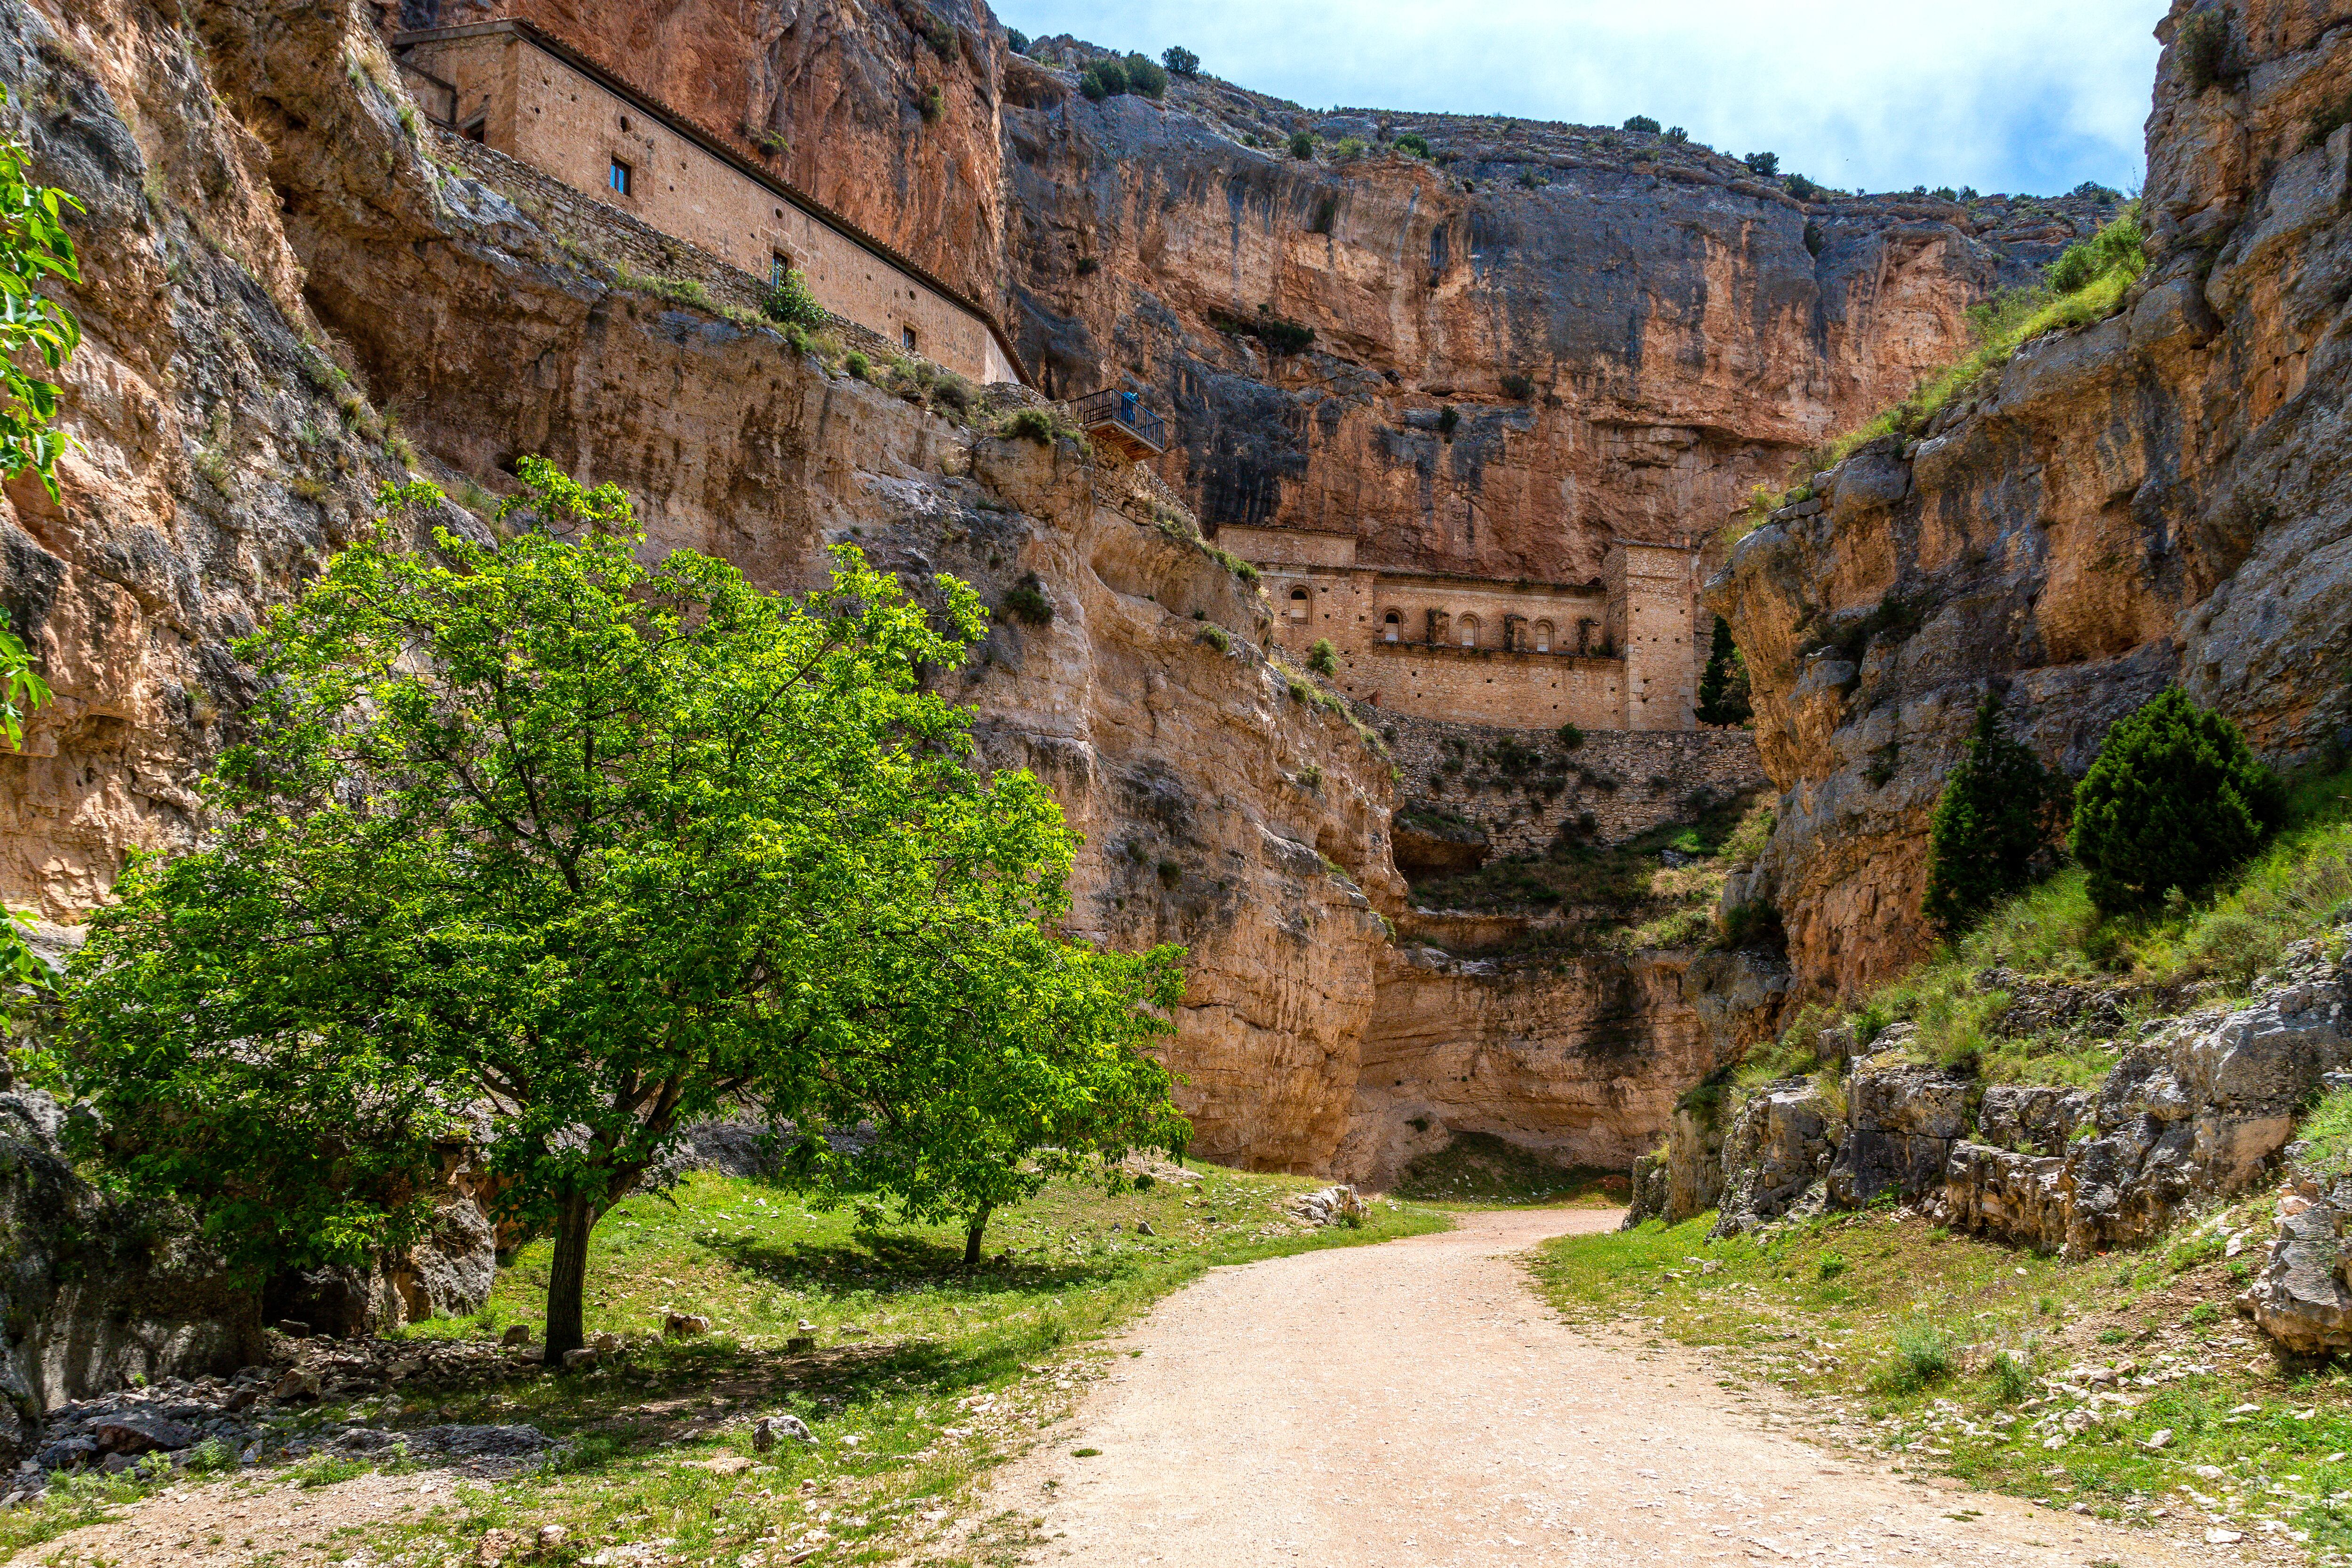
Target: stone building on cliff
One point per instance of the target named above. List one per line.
(1617, 652)
(520, 91)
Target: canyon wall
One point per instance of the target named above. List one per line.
(2164, 497)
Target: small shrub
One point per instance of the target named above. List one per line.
(1179, 61)
(1803, 189)
(1533, 179)
(1945, 193)
(310, 486)
(1829, 1265)
(1302, 145)
(791, 303)
(1016, 40)
(1449, 418)
(1641, 123)
(2013, 1379)
(1677, 135)
(1413, 143)
(1923, 1355)
(1323, 659)
(1765, 164)
(933, 104)
(1327, 212)
(1992, 822)
(1217, 638)
(1570, 737)
(1311, 776)
(2174, 799)
(1031, 425)
(1518, 387)
(1102, 80)
(1025, 601)
(1145, 78)
(1348, 147)
(2202, 48)
(857, 364)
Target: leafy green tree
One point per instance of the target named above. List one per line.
(1723, 684)
(1144, 77)
(1413, 144)
(2174, 799)
(538, 843)
(1993, 821)
(1179, 60)
(1642, 124)
(791, 302)
(1323, 659)
(34, 248)
(1765, 164)
(1302, 145)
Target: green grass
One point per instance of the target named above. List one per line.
(2298, 888)
(923, 1373)
(1936, 1352)
(1480, 1169)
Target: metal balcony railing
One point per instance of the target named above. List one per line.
(1122, 416)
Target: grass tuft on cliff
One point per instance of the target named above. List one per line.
(2298, 889)
(2084, 286)
(1943, 1354)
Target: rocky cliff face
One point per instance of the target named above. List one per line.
(2162, 497)
(1633, 331)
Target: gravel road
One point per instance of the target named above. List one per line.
(1415, 1404)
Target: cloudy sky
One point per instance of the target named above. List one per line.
(2026, 96)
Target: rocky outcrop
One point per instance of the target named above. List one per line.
(2300, 1297)
(1576, 1058)
(97, 1293)
(2163, 496)
(2199, 1109)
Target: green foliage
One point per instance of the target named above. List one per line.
(1570, 737)
(2174, 799)
(791, 303)
(1016, 40)
(1217, 638)
(1828, 1266)
(585, 849)
(1037, 424)
(1025, 601)
(1518, 387)
(1145, 76)
(1323, 659)
(1302, 145)
(33, 247)
(1413, 143)
(931, 104)
(1765, 164)
(1723, 686)
(2119, 246)
(1677, 135)
(1994, 820)
(1449, 419)
(1102, 80)
(857, 364)
(1924, 1355)
(1804, 190)
(2012, 1377)
(1347, 147)
(1179, 61)
(2202, 48)
(1641, 123)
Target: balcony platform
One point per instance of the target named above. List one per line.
(1120, 421)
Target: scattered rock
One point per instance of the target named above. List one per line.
(142, 1434)
(516, 1334)
(771, 1427)
(550, 1535)
(606, 1344)
(299, 1382)
(580, 1360)
(727, 1465)
(684, 1325)
(800, 1344)
(1332, 1206)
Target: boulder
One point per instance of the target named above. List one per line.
(142, 1433)
(684, 1325)
(2035, 1119)
(2300, 1297)
(1902, 1119)
(1332, 1206)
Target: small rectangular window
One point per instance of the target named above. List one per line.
(907, 339)
(618, 178)
(780, 268)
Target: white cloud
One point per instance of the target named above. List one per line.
(2017, 95)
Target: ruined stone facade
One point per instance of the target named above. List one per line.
(514, 88)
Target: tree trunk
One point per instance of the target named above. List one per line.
(971, 1238)
(567, 1279)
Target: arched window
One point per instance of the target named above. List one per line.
(1298, 603)
(1543, 637)
(1469, 631)
(1393, 627)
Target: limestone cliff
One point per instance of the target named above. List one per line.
(2162, 497)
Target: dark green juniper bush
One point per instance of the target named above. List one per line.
(2175, 799)
(1996, 820)
(538, 846)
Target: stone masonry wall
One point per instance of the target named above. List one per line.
(1630, 781)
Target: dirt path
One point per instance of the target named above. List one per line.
(1415, 1404)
